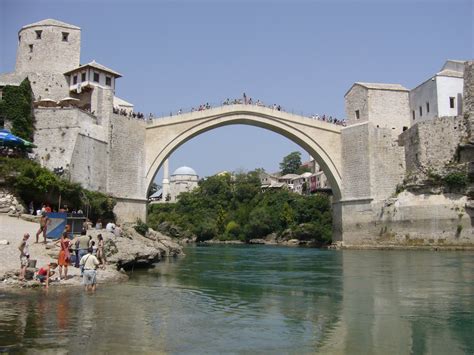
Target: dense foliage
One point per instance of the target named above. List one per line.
(34, 183)
(226, 207)
(17, 107)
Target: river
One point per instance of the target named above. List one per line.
(259, 299)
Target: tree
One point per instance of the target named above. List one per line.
(291, 163)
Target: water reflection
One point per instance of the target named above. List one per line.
(406, 302)
(247, 299)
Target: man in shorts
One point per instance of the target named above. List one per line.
(24, 256)
(44, 221)
(90, 263)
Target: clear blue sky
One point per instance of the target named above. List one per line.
(303, 55)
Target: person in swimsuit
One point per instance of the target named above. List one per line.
(44, 221)
(45, 273)
(64, 254)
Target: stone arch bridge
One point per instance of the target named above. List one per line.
(320, 139)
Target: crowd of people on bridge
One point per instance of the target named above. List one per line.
(126, 113)
(244, 100)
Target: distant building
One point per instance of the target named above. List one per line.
(440, 95)
(183, 179)
(307, 183)
(269, 181)
(301, 183)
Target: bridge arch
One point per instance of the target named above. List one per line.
(320, 139)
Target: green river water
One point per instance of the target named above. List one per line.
(258, 299)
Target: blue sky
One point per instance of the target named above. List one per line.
(303, 55)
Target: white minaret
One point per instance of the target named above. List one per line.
(166, 180)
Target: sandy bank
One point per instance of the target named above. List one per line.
(122, 252)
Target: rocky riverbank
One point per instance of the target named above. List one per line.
(123, 252)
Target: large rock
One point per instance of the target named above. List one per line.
(132, 249)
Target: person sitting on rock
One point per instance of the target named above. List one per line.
(46, 272)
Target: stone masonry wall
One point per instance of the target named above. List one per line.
(89, 163)
(70, 138)
(432, 144)
(127, 158)
(469, 98)
(49, 53)
(372, 162)
(48, 86)
(387, 163)
(355, 162)
(389, 108)
(357, 99)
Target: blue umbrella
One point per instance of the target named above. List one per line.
(9, 139)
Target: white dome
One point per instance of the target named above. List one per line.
(184, 170)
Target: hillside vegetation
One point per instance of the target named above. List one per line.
(235, 208)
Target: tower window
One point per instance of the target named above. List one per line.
(413, 114)
(421, 111)
(357, 114)
(427, 107)
(96, 77)
(65, 36)
(31, 48)
(19, 38)
(108, 81)
(83, 76)
(38, 34)
(451, 102)
(74, 80)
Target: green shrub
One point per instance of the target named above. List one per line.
(141, 227)
(17, 107)
(205, 230)
(232, 230)
(31, 182)
(456, 180)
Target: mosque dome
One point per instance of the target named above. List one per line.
(184, 170)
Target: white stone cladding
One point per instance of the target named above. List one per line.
(422, 142)
(50, 53)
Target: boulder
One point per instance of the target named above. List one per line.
(256, 241)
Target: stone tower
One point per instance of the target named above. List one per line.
(48, 46)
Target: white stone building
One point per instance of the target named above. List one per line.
(440, 95)
(48, 55)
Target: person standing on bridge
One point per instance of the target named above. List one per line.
(245, 99)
